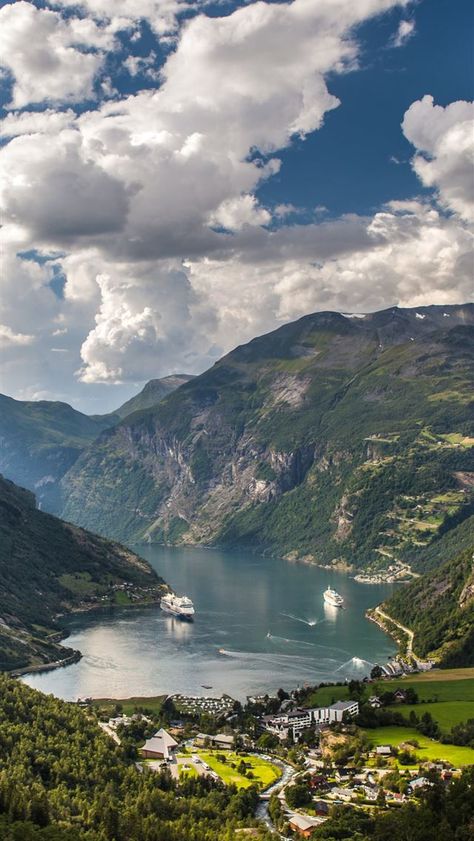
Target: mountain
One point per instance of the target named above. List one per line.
(153, 393)
(41, 440)
(439, 609)
(49, 567)
(335, 439)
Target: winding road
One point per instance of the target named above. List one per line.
(410, 634)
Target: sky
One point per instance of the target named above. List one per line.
(178, 176)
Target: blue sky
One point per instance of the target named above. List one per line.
(348, 166)
(179, 177)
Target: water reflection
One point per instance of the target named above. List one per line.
(260, 624)
(331, 612)
(177, 629)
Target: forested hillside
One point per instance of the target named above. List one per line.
(439, 608)
(49, 567)
(71, 782)
(335, 439)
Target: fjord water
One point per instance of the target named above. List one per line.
(260, 624)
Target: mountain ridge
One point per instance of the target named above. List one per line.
(279, 446)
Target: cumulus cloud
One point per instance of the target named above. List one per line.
(8, 337)
(233, 214)
(160, 14)
(406, 30)
(444, 138)
(58, 64)
(148, 204)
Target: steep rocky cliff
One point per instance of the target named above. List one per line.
(334, 439)
(40, 440)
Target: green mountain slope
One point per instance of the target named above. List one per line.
(39, 441)
(336, 439)
(152, 393)
(49, 567)
(439, 608)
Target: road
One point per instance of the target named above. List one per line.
(410, 634)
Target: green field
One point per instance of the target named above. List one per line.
(152, 704)
(186, 772)
(264, 773)
(446, 713)
(438, 687)
(326, 695)
(428, 749)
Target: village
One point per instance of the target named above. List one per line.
(303, 759)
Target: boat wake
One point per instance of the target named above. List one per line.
(356, 664)
(288, 640)
(310, 622)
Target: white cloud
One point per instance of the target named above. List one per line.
(444, 138)
(48, 56)
(160, 14)
(233, 214)
(126, 196)
(406, 30)
(8, 337)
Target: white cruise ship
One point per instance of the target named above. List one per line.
(179, 606)
(333, 598)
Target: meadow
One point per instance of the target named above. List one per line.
(427, 750)
(264, 773)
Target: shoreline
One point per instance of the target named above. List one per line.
(64, 633)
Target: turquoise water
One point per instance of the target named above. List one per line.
(260, 624)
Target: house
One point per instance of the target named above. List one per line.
(321, 807)
(222, 741)
(383, 750)
(160, 746)
(400, 696)
(303, 825)
(344, 794)
(369, 792)
(418, 782)
(375, 702)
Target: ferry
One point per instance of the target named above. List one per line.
(333, 598)
(180, 606)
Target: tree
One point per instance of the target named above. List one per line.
(376, 673)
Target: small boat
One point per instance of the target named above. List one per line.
(331, 597)
(180, 606)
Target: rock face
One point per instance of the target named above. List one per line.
(41, 440)
(330, 437)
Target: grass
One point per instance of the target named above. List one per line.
(129, 706)
(264, 773)
(326, 695)
(442, 685)
(79, 583)
(428, 749)
(446, 713)
(187, 771)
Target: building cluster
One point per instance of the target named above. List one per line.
(293, 722)
(198, 704)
